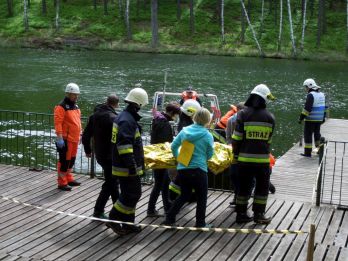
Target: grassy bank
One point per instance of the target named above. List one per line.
(81, 26)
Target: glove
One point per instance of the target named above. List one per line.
(60, 143)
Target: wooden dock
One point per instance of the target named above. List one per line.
(27, 233)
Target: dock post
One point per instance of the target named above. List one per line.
(310, 249)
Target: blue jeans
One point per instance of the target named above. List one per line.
(196, 179)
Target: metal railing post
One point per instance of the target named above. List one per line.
(320, 176)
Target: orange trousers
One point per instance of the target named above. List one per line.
(67, 156)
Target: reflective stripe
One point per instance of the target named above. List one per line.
(175, 188)
(218, 137)
(237, 135)
(124, 172)
(304, 112)
(114, 132)
(257, 132)
(254, 158)
(260, 200)
(242, 200)
(258, 123)
(308, 145)
(137, 133)
(125, 149)
(124, 209)
(318, 109)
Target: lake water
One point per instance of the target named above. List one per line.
(34, 80)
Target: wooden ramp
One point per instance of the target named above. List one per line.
(27, 233)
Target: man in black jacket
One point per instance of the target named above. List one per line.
(99, 128)
(161, 132)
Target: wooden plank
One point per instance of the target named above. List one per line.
(333, 227)
(257, 242)
(160, 237)
(287, 240)
(342, 235)
(75, 230)
(322, 226)
(177, 239)
(320, 252)
(343, 254)
(333, 253)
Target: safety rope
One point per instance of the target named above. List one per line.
(201, 229)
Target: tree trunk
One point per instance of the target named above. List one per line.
(242, 25)
(105, 7)
(129, 32)
(324, 17)
(320, 21)
(44, 7)
(138, 8)
(262, 18)
(57, 15)
(95, 5)
(178, 9)
(120, 7)
(222, 21)
(252, 29)
(28, 5)
(10, 7)
(154, 23)
(192, 18)
(291, 30)
(280, 25)
(304, 10)
(311, 7)
(26, 19)
(218, 11)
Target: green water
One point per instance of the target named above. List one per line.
(34, 80)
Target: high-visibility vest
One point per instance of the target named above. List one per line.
(318, 109)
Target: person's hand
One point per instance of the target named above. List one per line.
(88, 155)
(60, 143)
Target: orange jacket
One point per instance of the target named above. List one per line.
(67, 120)
(272, 160)
(223, 121)
(185, 97)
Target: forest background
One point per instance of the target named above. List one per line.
(306, 29)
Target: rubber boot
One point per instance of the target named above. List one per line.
(117, 228)
(260, 218)
(243, 218)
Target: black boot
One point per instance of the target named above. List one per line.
(272, 188)
(74, 183)
(243, 218)
(117, 228)
(260, 218)
(65, 188)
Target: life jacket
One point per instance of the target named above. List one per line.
(67, 120)
(318, 109)
(272, 160)
(224, 119)
(185, 96)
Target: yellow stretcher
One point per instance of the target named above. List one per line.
(159, 156)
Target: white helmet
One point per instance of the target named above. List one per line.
(138, 96)
(72, 88)
(263, 91)
(310, 83)
(190, 107)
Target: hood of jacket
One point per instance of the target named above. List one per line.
(194, 132)
(104, 107)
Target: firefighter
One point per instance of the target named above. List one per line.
(128, 161)
(188, 109)
(99, 128)
(161, 131)
(67, 124)
(313, 114)
(189, 94)
(251, 145)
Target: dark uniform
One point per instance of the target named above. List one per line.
(313, 114)
(99, 128)
(251, 144)
(127, 164)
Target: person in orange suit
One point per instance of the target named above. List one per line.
(67, 123)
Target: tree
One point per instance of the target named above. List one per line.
(95, 5)
(26, 19)
(154, 23)
(129, 32)
(291, 30)
(44, 7)
(192, 17)
(10, 7)
(280, 25)
(120, 7)
(222, 21)
(347, 29)
(320, 21)
(251, 28)
(105, 7)
(262, 17)
(57, 14)
(178, 9)
(304, 9)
